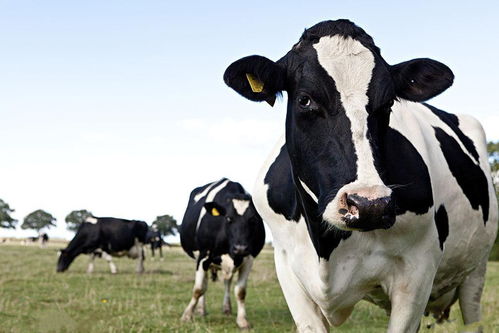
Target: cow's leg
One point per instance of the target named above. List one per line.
(470, 294)
(409, 293)
(240, 292)
(90, 267)
(306, 314)
(140, 258)
(152, 251)
(109, 259)
(201, 306)
(226, 308)
(200, 285)
(161, 253)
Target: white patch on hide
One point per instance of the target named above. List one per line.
(240, 206)
(91, 219)
(309, 191)
(209, 198)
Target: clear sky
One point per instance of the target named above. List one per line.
(119, 107)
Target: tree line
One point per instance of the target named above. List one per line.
(40, 219)
(166, 224)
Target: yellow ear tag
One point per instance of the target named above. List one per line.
(215, 212)
(255, 84)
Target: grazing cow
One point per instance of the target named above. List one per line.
(154, 238)
(371, 194)
(222, 224)
(42, 239)
(107, 237)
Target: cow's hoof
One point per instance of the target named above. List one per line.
(186, 317)
(201, 312)
(227, 312)
(243, 324)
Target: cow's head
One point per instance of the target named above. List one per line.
(241, 222)
(65, 259)
(340, 92)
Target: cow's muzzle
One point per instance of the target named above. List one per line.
(240, 250)
(361, 207)
(365, 214)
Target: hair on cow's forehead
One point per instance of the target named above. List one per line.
(343, 28)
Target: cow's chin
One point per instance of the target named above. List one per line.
(355, 224)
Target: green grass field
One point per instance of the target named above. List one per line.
(33, 298)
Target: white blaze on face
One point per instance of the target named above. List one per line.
(240, 206)
(350, 64)
(91, 219)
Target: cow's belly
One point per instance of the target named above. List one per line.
(468, 243)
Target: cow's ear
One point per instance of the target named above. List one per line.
(421, 79)
(214, 209)
(256, 78)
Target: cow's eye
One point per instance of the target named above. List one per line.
(304, 101)
(229, 219)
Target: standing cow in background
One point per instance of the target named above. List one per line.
(154, 239)
(107, 237)
(222, 224)
(371, 194)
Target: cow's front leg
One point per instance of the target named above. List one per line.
(240, 292)
(409, 294)
(140, 259)
(90, 267)
(109, 259)
(152, 251)
(161, 253)
(227, 308)
(306, 314)
(200, 285)
(201, 306)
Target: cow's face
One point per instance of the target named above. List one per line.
(65, 259)
(240, 219)
(340, 93)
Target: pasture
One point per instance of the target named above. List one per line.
(33, 298)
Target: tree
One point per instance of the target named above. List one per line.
(6, 221)
(38, 220)
(493, 149)
(166, 224)
(75, 218)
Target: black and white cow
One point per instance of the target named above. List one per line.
(107, 237)
(154, 239)
(222, 224)
(371, 194)
(42, 239)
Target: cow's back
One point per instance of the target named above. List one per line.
(121, 235)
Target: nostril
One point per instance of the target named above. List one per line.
(353, 206)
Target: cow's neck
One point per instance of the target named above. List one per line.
(324, 236)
